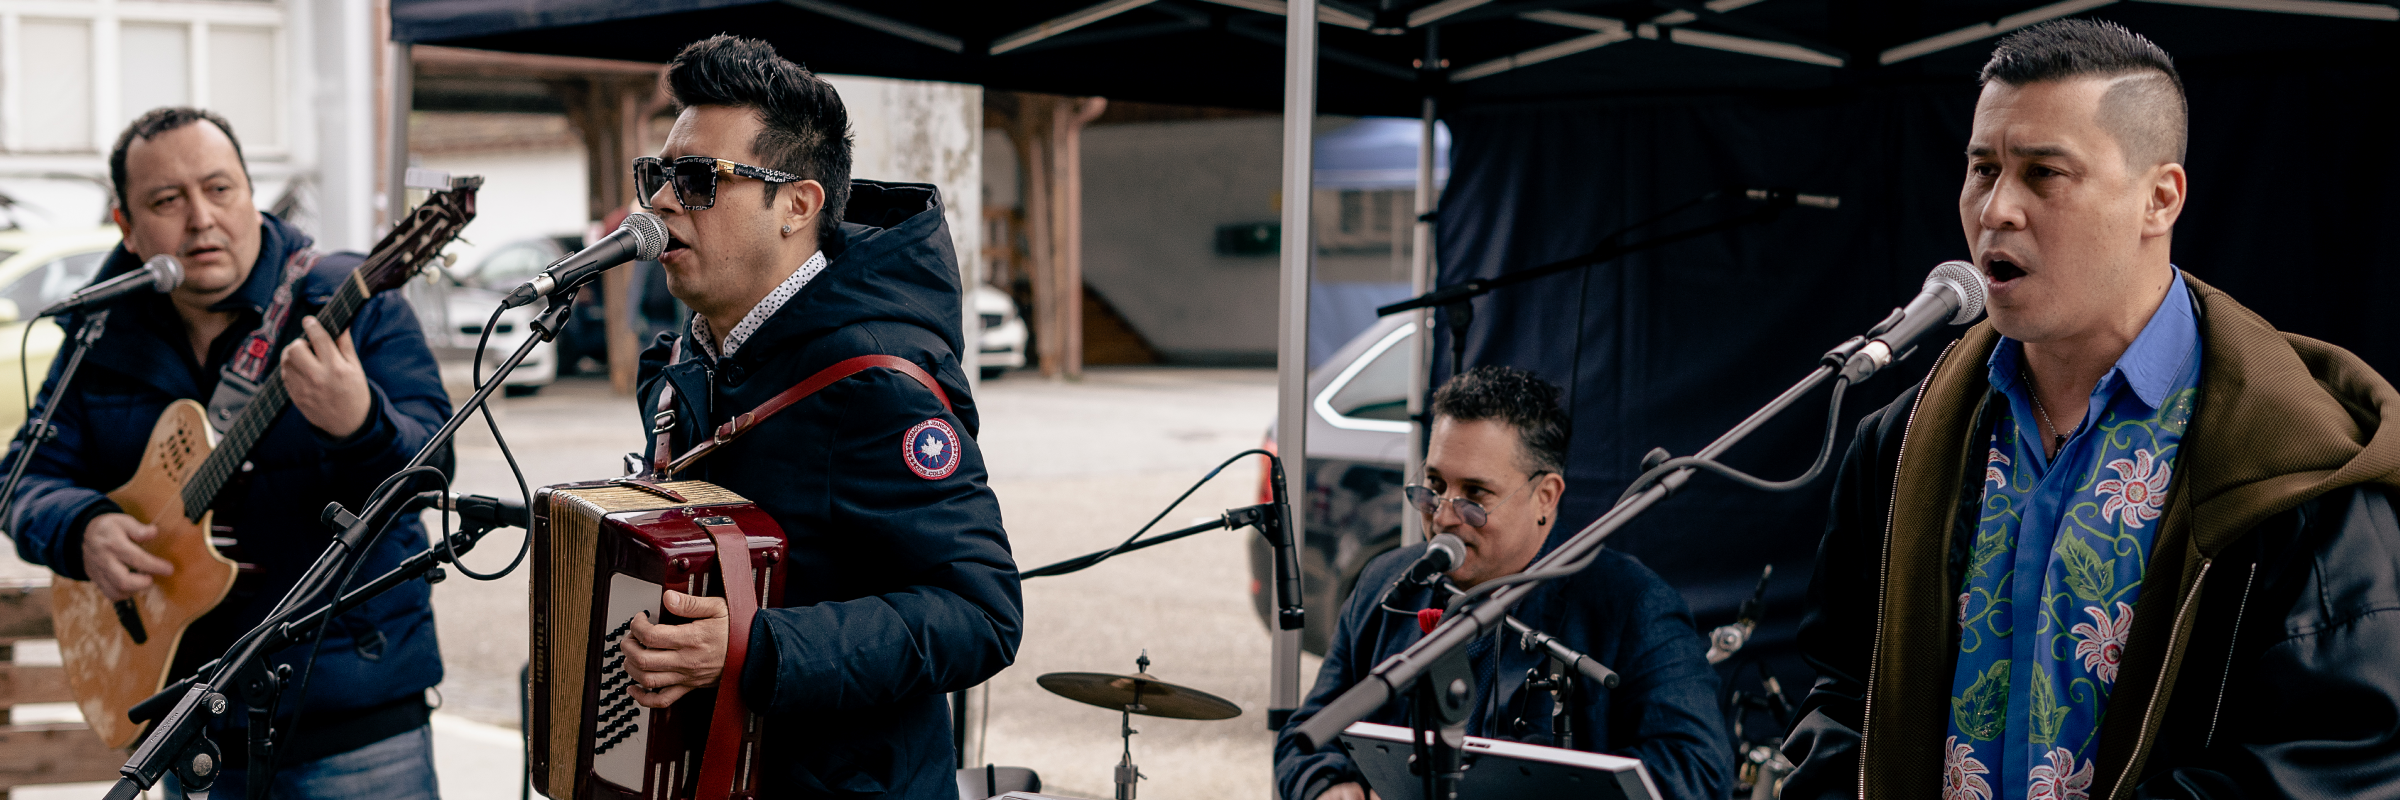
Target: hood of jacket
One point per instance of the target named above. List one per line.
(2281, 419)
(892, 261)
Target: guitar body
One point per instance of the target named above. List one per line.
(108, 672)
(186, 464)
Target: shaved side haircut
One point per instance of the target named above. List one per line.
(2144, 106)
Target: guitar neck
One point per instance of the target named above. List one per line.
(226, 461)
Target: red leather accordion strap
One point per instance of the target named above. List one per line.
(742, 424)
(662, 424)
(731, 718)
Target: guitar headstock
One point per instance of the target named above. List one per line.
(420, 236)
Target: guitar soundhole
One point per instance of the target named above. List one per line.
(179, 452)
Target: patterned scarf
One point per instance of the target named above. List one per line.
(2026, 710)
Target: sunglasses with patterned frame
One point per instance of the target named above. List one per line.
(694, 178)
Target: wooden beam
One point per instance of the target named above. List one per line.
(24, 611)
(23, 684)
(1068, 119)
(464, 62)
(59, 753)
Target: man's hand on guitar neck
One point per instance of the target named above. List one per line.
(113, 556)
(668, 661)
(325, 381)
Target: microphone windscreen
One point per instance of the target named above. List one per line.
(166, 273)
(1965, 280)
(649, 235)
(1452, 550)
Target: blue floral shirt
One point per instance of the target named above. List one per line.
(2059, 553)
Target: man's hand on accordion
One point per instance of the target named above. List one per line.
(667, 661)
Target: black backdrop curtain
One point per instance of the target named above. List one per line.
(2291, 178)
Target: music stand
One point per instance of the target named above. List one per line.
(1497, 768)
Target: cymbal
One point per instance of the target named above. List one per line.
(1155, 697)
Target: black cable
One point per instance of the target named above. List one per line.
(1088, 561)
(1833, 418)
(475, 372)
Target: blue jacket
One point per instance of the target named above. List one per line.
(900, 585)
(375, 654)
(1664, 712)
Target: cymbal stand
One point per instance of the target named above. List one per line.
(1127, 773)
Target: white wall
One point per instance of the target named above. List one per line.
(1153, 196)
(922, 132)
(526, 193)
(927, 132)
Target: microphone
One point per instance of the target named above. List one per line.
(1442, 554)
(162, 273)
(496, 511)
(1953, 295)
(1824, 201)
(641, 238)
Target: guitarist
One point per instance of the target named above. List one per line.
(361, 404)
(899, 583)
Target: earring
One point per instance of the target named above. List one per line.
(1542, 521)
(787, 229)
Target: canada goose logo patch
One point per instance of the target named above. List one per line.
(931, 450)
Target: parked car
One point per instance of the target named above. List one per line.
(461, 305)
(467, 300)
(1358, 439)
(38, 268)
(1002, 340)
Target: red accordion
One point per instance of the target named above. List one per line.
(602, 553)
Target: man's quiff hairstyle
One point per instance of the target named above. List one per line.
(157, 121)
(804, 129)
(1517, 397)
(2144, 107)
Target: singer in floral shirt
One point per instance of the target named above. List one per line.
(2126, 540)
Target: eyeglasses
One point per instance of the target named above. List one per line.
(694, 178)
(1429, 502)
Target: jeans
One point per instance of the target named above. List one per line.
(398, 768)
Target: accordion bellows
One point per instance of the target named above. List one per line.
(603, 553)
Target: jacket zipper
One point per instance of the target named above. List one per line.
(1866, 715)
(2142, 739)
(2232, 646)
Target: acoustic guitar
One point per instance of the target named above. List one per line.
(117, 654)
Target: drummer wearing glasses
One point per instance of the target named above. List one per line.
(1494, 474)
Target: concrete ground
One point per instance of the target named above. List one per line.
(1077, 468)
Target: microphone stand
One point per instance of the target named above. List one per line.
(1458, 314)
(1273, 520)
(1405, 670)
(180, 741)
(39, 430)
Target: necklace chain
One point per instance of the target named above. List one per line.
(2047, 425)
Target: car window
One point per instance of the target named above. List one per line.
(52, 282)
(1379, 390)
(512, 265)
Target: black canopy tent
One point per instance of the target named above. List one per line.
(1572, 118)
(1228, 52)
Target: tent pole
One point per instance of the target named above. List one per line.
(1291, 357)
(1420, 281)
(402, 99)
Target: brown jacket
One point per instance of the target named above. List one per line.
(2275, 585)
